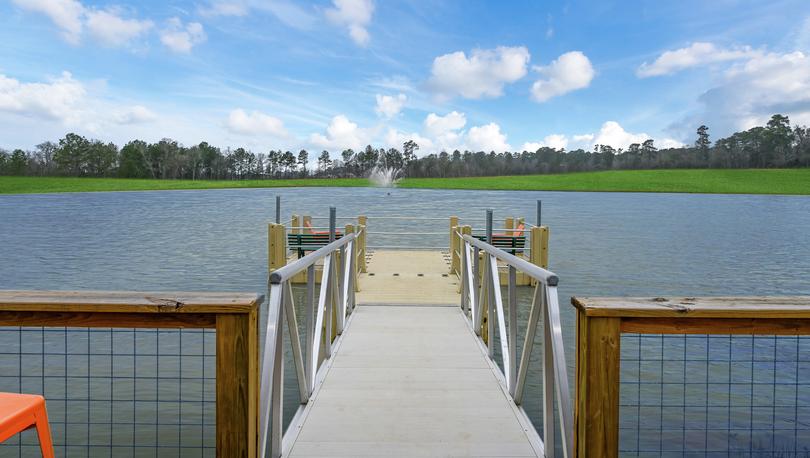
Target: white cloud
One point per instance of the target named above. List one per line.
(354, 14)
(613, 134)
(113, 30)
(483, 74)
(181, 38)
(395, 139)
(255, 123)
(389, 106)
(556, 141)
(569, 72)
(341, 134)
(436, 125)
(487, 138)
(225, 8)
(752, 91)
(583, 139)
(136, 114)
(698, 53)
(66, 14)
(58, 99)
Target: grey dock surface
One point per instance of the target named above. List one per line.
(409, 379)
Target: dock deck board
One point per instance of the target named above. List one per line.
(410, 381)
(402, 277)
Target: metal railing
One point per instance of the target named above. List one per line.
(481, 299)
(336, 295)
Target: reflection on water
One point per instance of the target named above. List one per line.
(601, 243)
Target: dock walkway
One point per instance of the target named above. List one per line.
(408, 377)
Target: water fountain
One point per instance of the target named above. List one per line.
(385, 177)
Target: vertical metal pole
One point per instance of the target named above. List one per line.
(310, 305)
(548, 377)
(332, 217)
(539, 213)
(512, 329)
(278, 209)
(489, 226)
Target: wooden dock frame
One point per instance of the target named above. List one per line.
(602, 320)
(235, 316)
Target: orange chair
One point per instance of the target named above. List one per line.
(308, 226)
(19, 412)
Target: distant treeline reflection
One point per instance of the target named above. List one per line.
(775, 145)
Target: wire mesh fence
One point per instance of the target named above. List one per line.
(715, 395)
(115, 392)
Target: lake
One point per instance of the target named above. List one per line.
(601, 244)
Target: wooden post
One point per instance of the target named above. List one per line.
(454, 260)
(276, 246)
(596, 411)
(296, 224)
(304, 220)
(349, 229)
(361, 245)
(539, 247)
(509, 224)
(237, 384)
(465, 230)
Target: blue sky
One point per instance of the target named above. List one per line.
(483, 75)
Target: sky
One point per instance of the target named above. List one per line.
(336, 74)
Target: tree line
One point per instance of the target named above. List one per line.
(776, 144)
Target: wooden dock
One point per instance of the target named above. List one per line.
(408, 377)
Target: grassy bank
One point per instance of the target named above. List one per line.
(712, 181)
(766, 181)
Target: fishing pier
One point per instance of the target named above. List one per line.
(402, 349)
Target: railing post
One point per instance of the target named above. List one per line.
(489, 226)
(237, 384)
(539, 247)
(352, 256)
(306, 219)
(332, 218)
(512, 329)
(454, 261)
(596, 416)
(509, 224)
(465, 230)
(362, 221)
(539, 216)
(276, 247)
(296, 224)
(278, 209)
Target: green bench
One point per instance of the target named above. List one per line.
(303, 243)
(512, 244)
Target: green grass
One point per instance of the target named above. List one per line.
(711, 181)
(29, 185)
(748, 181)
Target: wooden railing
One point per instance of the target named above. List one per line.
(233, 315)
(601, 322)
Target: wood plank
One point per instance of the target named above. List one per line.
(697, 307)
(596, 412)
(237, 385)
(748, 326)
(128, 301)
(400, 277)
(108, 320)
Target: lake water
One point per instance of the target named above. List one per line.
(601, 244)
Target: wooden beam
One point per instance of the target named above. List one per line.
(749, 326)
(596, 415)
(696, 307)
(237, 385)
(126, 302)
(108, 320)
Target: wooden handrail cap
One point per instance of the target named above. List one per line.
(695, 307)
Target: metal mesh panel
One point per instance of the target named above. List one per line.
(115, 392)
(699, 395)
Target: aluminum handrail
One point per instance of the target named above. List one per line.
(480, 291)
(336, 297)
(534, 271)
